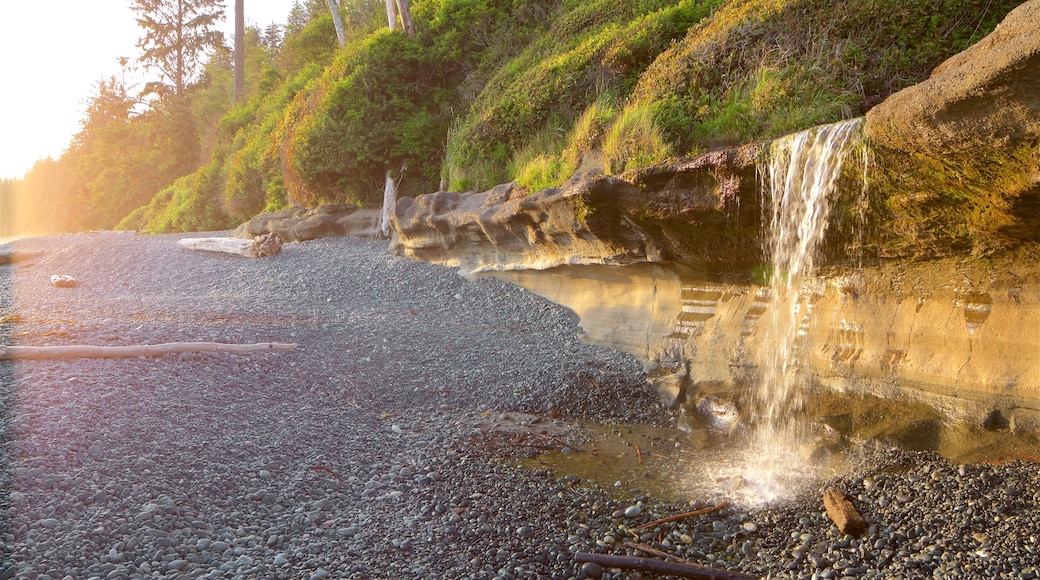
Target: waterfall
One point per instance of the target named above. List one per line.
(798, 187)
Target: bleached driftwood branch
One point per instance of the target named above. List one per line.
(15, 257)
(258, 247)
(90, 351)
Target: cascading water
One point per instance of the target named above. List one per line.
(797, 187)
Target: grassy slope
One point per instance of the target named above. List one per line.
(541, 84)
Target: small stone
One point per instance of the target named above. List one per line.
(265, 474)
(633, 511)
(49, 523)
(525, 532)
(280, 560)
(63, 281)
(592, 569)
(750, 527)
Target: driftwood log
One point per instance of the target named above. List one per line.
(89, 351)
(841, 511)
(258, 247)
(681, 569)
(15, 257)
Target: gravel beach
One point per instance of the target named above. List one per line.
(366, 452)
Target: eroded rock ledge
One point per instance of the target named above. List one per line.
(699, 212)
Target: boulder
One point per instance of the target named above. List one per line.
(300, 224)
(958, 156)
(986, 96)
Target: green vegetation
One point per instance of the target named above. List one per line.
(485, 92)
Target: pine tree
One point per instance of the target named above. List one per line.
(177, 33)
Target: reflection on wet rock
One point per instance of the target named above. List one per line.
(904, 331)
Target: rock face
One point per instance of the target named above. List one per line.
(301, 224)
(955, 336)
(701, 211)
(985, 96)
(959, 155)
(955, 170)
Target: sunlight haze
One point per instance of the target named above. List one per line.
(53, 54)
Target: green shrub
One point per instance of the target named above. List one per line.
(380, 107)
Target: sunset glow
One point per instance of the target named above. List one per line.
(51, 66)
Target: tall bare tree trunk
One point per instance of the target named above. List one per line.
(391, 14)
(337, 21)
(406, 17)
(240, 50)
(390, 199)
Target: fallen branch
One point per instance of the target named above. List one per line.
(681, 569)
(652, 552)
(677, 517)
(326, 470)
(90, 351)
(15, 257)
(639, 453)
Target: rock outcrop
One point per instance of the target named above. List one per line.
(702, 211)
(954, 174)
(984, 97)
(300, 224)
(958, 337)
(959, 155)
(955, 170)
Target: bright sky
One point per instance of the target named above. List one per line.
(53, 53)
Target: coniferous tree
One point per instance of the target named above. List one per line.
(177, 33)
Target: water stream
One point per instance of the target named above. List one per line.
(798, 185)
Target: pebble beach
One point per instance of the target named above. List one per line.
(360, 455)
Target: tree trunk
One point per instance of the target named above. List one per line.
(391, 14)
(240, 49)
(406, 17)
(389, 201)
(337, 21)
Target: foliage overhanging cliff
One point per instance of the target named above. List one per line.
(490, 92)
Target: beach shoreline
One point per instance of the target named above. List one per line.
(363, 454)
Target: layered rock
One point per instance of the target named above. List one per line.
(300, 224)
(958, 337)
(701, 211)
(954, 176)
